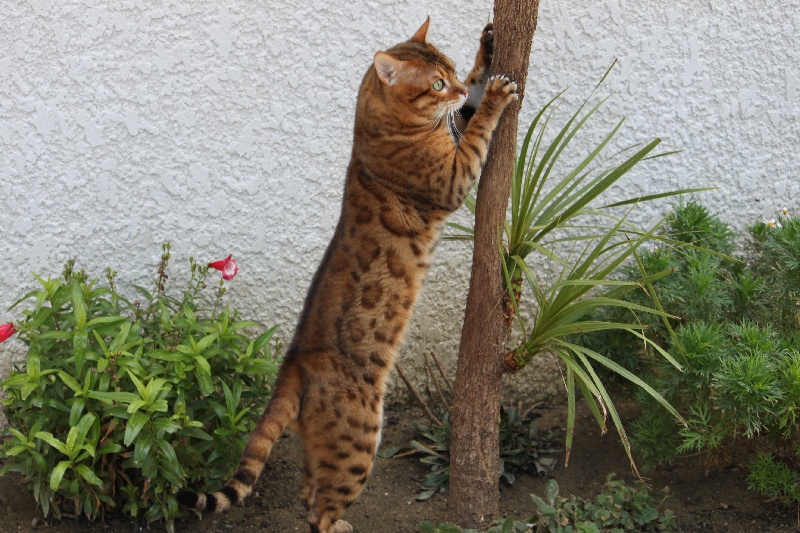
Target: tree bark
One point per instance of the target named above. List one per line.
(474, 457)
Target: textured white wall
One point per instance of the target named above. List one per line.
(225, 127)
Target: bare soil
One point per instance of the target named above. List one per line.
(717, 501)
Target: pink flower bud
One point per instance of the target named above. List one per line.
(6, 330)
(227, 266)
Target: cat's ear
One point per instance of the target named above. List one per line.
(422, 33)
(387, 67)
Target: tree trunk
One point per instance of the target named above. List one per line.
(474, 458)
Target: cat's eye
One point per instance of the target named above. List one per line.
(438, 85)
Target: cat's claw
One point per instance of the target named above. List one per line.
(503, 87)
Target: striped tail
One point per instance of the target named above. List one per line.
(282, 408)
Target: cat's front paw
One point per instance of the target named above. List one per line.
(486, 50)
(501, 90)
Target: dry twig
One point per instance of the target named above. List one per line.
(416, 395)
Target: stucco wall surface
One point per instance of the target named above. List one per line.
(225, 127)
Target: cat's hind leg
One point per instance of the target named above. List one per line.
(343, 461)
(342, 445)
(309, 489)
(308, 494)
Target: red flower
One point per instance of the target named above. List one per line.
(227, 266)
(6, 330)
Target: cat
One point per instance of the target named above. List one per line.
(414, 160)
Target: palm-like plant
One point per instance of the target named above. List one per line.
(558, 221)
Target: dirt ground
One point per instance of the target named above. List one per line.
(717, 502)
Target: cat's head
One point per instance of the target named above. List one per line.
(417, 81)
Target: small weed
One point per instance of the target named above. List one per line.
(523, 448)
(619, 507)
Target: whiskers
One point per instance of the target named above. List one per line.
(452, 119)
(444, 112)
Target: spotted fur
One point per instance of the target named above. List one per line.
(413, 163)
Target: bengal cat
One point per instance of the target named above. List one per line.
(414, 161)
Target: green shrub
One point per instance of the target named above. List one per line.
(735, 332)
(692, 223)
(700, 287)
(120, 403)
(776, 258)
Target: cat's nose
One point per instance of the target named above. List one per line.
(465, 92)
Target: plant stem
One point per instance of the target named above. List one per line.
(442, 372)
(416, 395)
(445, 403)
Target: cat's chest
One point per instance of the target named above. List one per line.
(385, 259)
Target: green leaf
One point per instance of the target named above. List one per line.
(202, 364)
(109, 321)
(651, 197)
(167, 425)
(508, 525)
(236, 326)
(389, 452)
(76, 410)
(167, 356)
(52, 441)
(15, 450)
(58, 474)
(139, 387)
(121, 338)
(144, 292)
(31, 294)
(109, 449)
(78, 306)
(430, 527)
(114, 397)
(77, 434)
(206, 386)
(204, 343)
(619, 370)
(135, 405)
(135, 424)
(159, 406)
(71, 382)
(80, 342)
(86, 473)
(157, 386)
(55, 335)
(263, 339)
(168, 463)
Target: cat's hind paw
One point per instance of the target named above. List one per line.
(342, 527)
